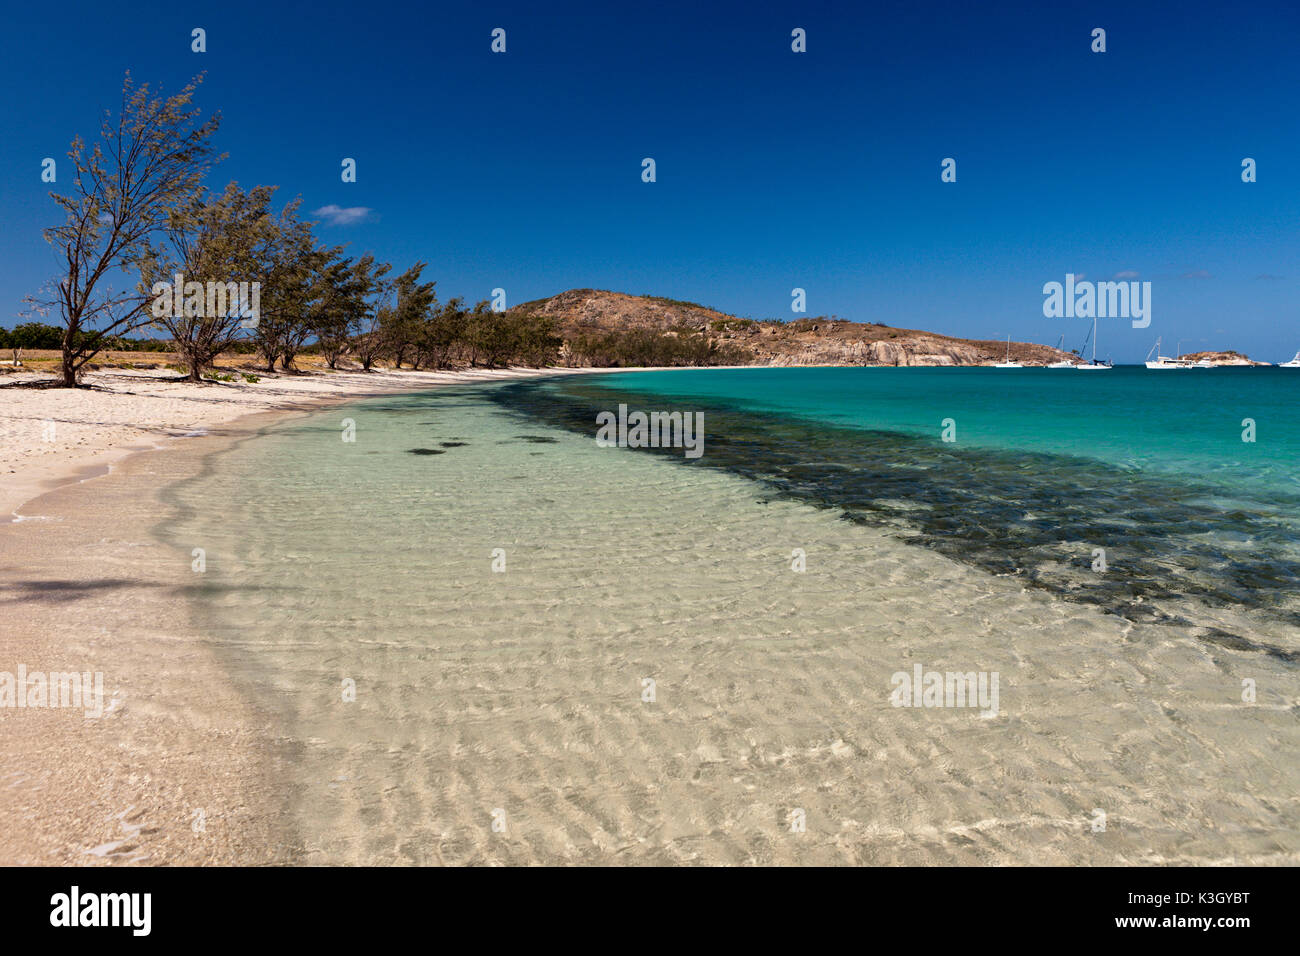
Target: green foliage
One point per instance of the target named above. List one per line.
(646, 347)
(510, 338)
(38, 335)
(403, 323)
(34, 335)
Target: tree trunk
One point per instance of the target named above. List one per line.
(69, 363)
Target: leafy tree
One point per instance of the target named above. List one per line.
(537, 343)
(405, 321)
(348, 287)
(442, 332)
(150, 161)
(371, 342)
(35, 335)
(216, 240)
(289, 262)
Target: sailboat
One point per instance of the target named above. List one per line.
(1094, 365)
(1163, 361)
(1008, 363)
(1062, 364)
(1294, 363)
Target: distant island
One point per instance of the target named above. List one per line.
(1221, 358)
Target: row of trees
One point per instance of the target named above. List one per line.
(31, 335)
(413, 328)
(138, 214)
(306, 291)
(38, 335)
(647, 347)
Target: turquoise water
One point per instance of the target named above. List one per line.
(1043, 467)
(1183, 422)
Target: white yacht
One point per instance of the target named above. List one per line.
(1062, 364)
(1163, 361)
(1008, 363)
(1294, 363)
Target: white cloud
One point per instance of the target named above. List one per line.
(339, 216)
(1126, 274)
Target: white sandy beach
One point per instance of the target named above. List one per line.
(133, 410)
(155, 779)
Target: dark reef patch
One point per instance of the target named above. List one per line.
(1031, 515)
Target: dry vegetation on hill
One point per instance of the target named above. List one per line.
(593, 316)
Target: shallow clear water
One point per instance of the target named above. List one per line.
(1045, 468)
(518, 696)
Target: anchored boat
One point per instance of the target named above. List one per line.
(1094, 365)
(1008, 363)
(1064, 363)
(1163, 361)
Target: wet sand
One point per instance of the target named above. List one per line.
(180, 768)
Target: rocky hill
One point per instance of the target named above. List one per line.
(804, 341)
(1222, 358)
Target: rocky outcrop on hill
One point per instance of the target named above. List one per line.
(1222, 358)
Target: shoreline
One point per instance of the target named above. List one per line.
(203, 755)
(126, 412)
(181, 767)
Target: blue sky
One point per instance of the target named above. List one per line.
(775, 169)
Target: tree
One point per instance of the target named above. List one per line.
(299, 327)
(348, 287)
(371, 341)
(215, 242)
(442, 331)
(405, 320)
(289, 261)
(150, 161)
(35, 335)
(536, 340)
(477, 336)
